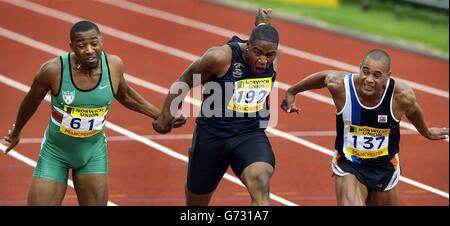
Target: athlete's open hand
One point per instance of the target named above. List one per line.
(288, 103)
(12, 138)
(437, 133)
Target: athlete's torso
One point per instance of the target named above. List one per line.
(78, 116)
(367, 135)
(237, 102)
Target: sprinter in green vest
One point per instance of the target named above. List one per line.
(83, 84)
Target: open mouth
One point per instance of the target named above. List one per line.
(260, 70)
(368, 87)
(92, 59)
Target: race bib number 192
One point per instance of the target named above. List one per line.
(250, 95)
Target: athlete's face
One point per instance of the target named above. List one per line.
(260, 55)
(87, 46)
(373, 77)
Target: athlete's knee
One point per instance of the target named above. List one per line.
(258, 187)
(263, 180)
(197, 199)
(259, 182)
(257, 175)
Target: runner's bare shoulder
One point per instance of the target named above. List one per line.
(49, 74)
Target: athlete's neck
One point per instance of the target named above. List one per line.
(369, 100)
(83, 69)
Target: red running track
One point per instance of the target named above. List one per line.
(141, 175)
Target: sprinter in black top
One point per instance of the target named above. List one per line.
(240, 104)
(237, 79)
(369, 107)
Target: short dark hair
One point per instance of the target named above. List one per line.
(265, 33)
(379, 55)
(82, 26)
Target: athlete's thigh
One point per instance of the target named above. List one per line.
(51, 167)
(91, 189)
(384, 198)
(49, 182)
(350, 191)
(45, 192)
(208, 162)
(252, 148)
(91, 180)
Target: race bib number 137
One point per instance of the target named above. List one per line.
(367, 142)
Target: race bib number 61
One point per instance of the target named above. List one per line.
(82, 122)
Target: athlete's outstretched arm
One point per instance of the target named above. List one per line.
(212, 63)
(415, 115)
(132, 100)
(126, 95)
(41, 85)
(329, 79)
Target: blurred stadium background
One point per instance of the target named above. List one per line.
(417, 25)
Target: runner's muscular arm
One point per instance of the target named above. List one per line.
(42, 83)
(330, 79)
(126, 95)
(214, 62)
(405, 95)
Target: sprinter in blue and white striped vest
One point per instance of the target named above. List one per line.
(369, 107)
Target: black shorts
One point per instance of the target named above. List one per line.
(210, 156)
(376, 178)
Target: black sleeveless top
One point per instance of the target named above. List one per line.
(237, 102)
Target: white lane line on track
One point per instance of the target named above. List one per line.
(199, 25)
(12, 83)
(188, 137)
(196, 102)
(13, 153)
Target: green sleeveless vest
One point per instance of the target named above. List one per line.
(78, 116)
